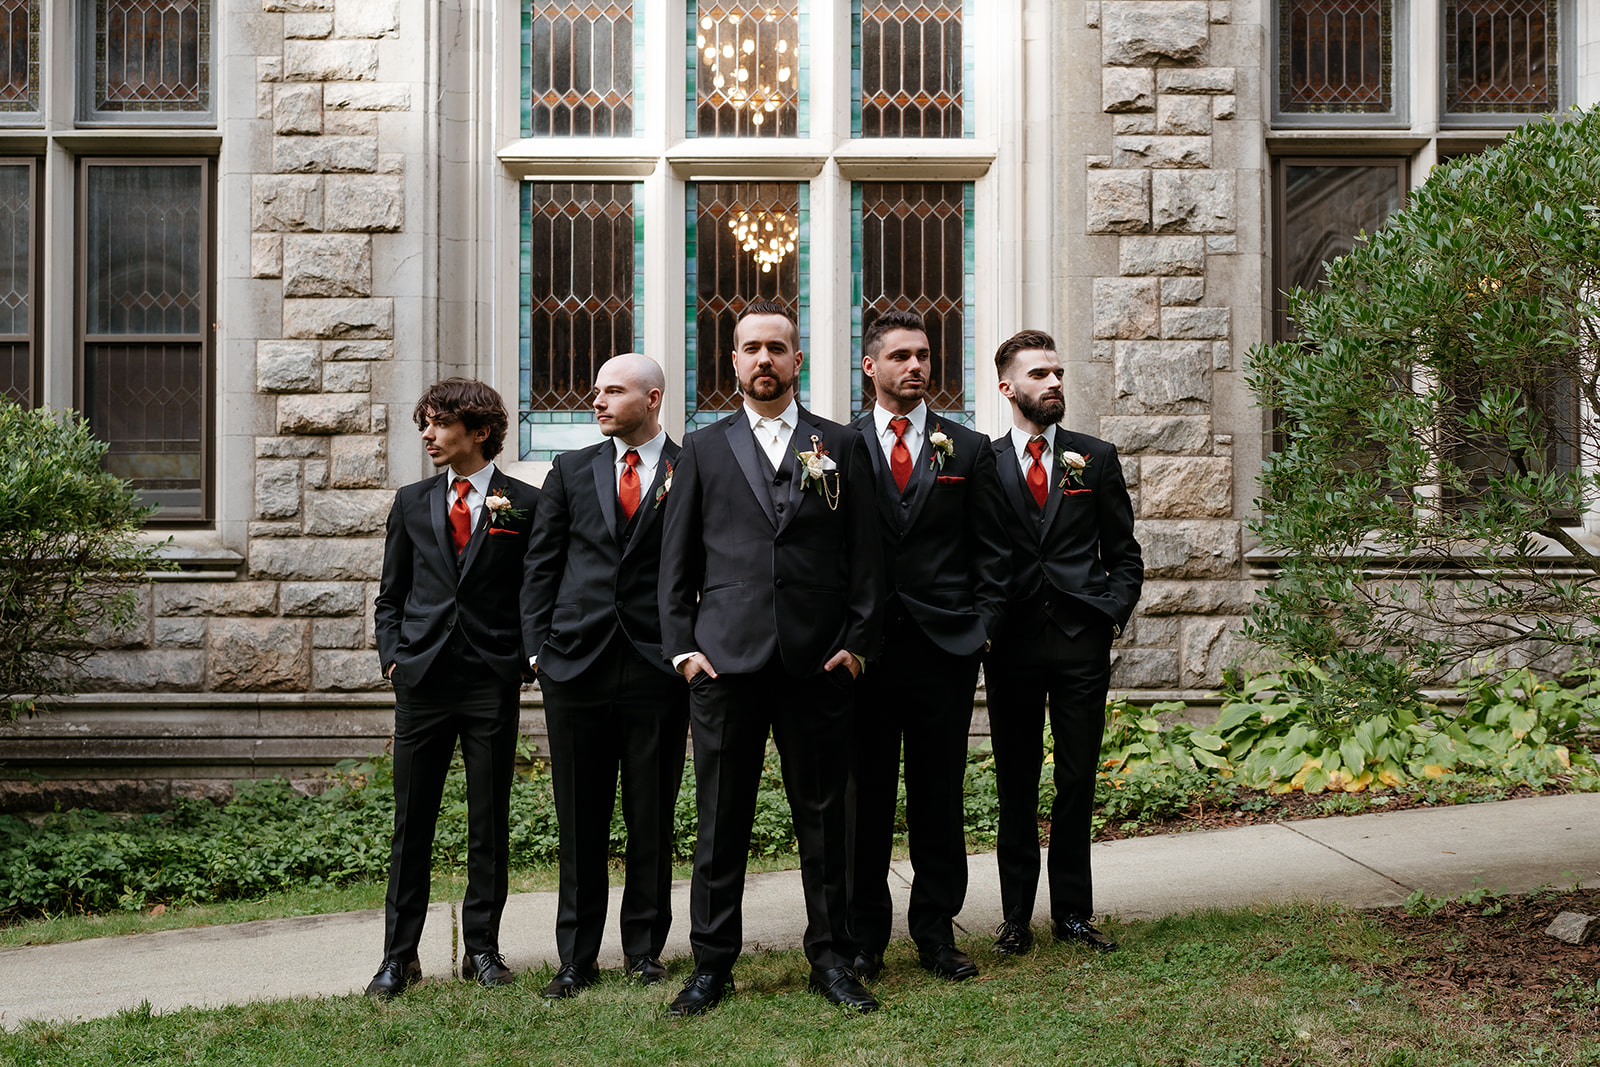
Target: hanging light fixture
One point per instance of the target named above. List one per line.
(740, 71)
(769, 235)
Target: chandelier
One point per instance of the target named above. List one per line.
(770, 235)
(758, 77)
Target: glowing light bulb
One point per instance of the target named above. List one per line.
(727, 51)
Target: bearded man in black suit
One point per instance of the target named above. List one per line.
(449, 635)
(946, 564)
(770, 578)
(612, 703)
(1076, 575)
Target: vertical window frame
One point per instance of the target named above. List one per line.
(35, 261)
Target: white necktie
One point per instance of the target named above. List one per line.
(769, 432)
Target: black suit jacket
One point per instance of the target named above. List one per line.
(1083, 544)
(587, 574)
(742, 581)
(945, 546)
(424, 594)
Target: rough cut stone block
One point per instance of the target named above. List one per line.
(316, 474)
(338, 319)
(366, 203)
(345, 512)
(1184, 116)
(391, 162)
(347, 378)
(1160, 598)
(1152, 435)
(324, 413)
(1152, 632)
(297, 109)
(341, 671)
(1224, 107)
(277, 488)
(350, 124)
(307, 155)
(369, 18)
(1192, 201)
(1160, 377)
(1186, 487)
(1161, 152)
(180, 633)
(1190, 548)
(1127, 89)
(1118, 201)
(253, 655)
(330, 61)
(1179, 292)
(288, 367)
(1221, 356)
(284, 202)
(334, 351)
(322, 598)
(1211, 646)
(307, 26)
(1195, 323)
(1139, 33)
(296, 5)
(1144, 668)
(151, 671)
(1102, 351)
(269, 68)
(1162, 255)
(266, 255)
(358, 462)
(335, 633)
(290, 447)
(1141, 123)
(318, 559)
(1196, 79)
(216, 598)
(1573, 927)
(380, 418)
(1126, 307)
(366, 96)
(1091, 14)
(1222, 245)
(1221, 12)
(273, 529)
(327, 265)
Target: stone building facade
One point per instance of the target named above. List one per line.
(1120, 161)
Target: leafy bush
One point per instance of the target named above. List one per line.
(70, 558)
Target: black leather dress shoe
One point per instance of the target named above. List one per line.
(569, 979)
(947, 961)
(393, 978)
(840, 986)
(1079, 929)
(703, 991)
(1013, 938)
(646, 970)
(487, 968)
(868, 965)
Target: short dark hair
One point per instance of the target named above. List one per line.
(894, 319)
(769, 307)
(1022, 341)
(469, 402)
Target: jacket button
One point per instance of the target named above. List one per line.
(778, 583)
(777, 542)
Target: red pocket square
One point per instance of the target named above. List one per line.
(1075, 492)
(501, 530)
(949, 479)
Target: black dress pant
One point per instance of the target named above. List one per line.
(1038, 665)
(459, 698)
(620, 715)
(809, 718)
(916, 697)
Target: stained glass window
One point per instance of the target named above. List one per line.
(746, 242)
(1326, 205)
(911, 63)
(913, 251)
(1500, 57)
(145, 293)
(747, 68)
(150, 56)
(19, 58)
(1336, 56)
(582, 279)
(18, 356)
(578, 69)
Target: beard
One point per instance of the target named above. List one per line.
(1043, 411)
(769, 387)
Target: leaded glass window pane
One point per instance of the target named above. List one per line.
(1325, 207)
(747, 69)
(19, 56)
(911, 68)
(915, 240)
(151, 56)
(1336, 56)
(1500, 57)
(579, 59)
(17, 356)
(143, 250)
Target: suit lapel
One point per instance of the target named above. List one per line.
(922, 476)
(648, 511)
(479, 536)
(605, 486)
(1011, 481)
(804, 431)
(743, 443)
(438, 512)
(1052, 499)
(888, 499)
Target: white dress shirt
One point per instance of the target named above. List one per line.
(475, 495)
(919, 421)
(649, 459)
(773, 433)
(1019, 444)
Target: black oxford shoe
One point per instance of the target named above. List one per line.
(646, 969)
(840, 986)
(948, 962)
(1079, 929)
(868, 965)
(703, 991)
(1013, 939)
(569, 979)
(393, 978)
(486, 968)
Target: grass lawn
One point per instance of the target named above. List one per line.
(1275, 987)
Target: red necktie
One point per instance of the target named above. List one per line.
(900, 455)
(461, 516)
(1036, 477)
(628, 489)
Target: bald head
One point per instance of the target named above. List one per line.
(627, 400)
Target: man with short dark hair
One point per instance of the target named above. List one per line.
(1076, 574)
(770, 568)
(449, 637)
(946, 563)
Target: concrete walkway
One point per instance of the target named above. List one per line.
(1363, 861)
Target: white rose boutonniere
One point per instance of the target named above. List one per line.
(1073, 464)
(815, 468)
(943, 447)
(666, 485)
(500, 509)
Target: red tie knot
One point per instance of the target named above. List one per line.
(463, 486)
(1036, 449)
(631, 457)
(900, 424)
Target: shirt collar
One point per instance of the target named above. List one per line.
(649, 452)
(480, 481)
(918, 417)
(790, 417)
(1020, 438)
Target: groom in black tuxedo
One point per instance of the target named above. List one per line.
(613, 704)
(770, 583)
(1076, 574)
(450, 640)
